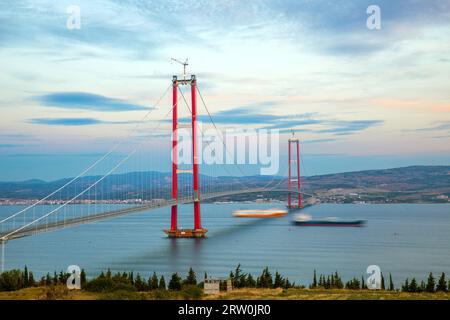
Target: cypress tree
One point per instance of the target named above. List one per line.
(175, 282)
(191, 278)
(287, 284)
(239, 278)
(391, 283)
(231, 276)
(31, 281)
(61, 277)
(249, 281)
(382, 282)
(108, 273)
(55, 278)
(131, 277)
(363, 283)
(162, 283)
(153, 282)
(430, 283)
(25, 277)
(405, 286)
(138, 283)
(422, 286)
(265, 280)
(278, 282)
(442, 284)
(314, 283)
(82, 277)
(48, 280)
(337, 281)
(413, 285)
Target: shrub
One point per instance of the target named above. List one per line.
(103, 284)
(161, 294)
(11, 280)
(56, 292)
(191, 292)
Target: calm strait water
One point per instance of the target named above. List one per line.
(407, 240)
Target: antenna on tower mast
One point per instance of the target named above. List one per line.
(184, 64)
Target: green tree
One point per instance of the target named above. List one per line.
(131, 277)
(31, 281)
(265, 280)
(413, 285)
(48, 280)
(382, 282)
(405, 286)
(191, 278)
(82, 277)
(391, 283)
(338, 284)
(11, 280)
(353, 284)
(288, 284)
(422, 286)
(442, 283)
(139, 284)
(62, 277)
(250, 282)
(175, 282)
(430, 283)
(320, 284)
(279, 281)
(153, 282)
(55, 278)
(363, 283)
(328, 283)
(238, 278)
(314, 283)
(162, 283)
(26, 278)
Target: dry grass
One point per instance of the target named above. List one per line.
(320, 294)
(61, 293)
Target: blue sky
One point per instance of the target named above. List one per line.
(312, 67)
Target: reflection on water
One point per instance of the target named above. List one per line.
(405, 240)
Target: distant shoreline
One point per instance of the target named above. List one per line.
(26, 202)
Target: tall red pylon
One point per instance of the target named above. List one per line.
(197, 231)
(296, 142)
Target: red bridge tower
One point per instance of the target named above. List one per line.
(197, 231)
(296, 143)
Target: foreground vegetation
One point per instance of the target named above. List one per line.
(18, 284)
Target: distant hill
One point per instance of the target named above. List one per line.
(415, 179)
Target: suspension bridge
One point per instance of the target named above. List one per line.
(99, 192)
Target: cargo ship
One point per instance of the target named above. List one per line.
(269, 213)
(306, 220)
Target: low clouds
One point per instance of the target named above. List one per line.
(86, 101)
(442, 125)
(349, 127)
(72, 121)
(309, 122)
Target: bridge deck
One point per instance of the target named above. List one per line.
(61, 224)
